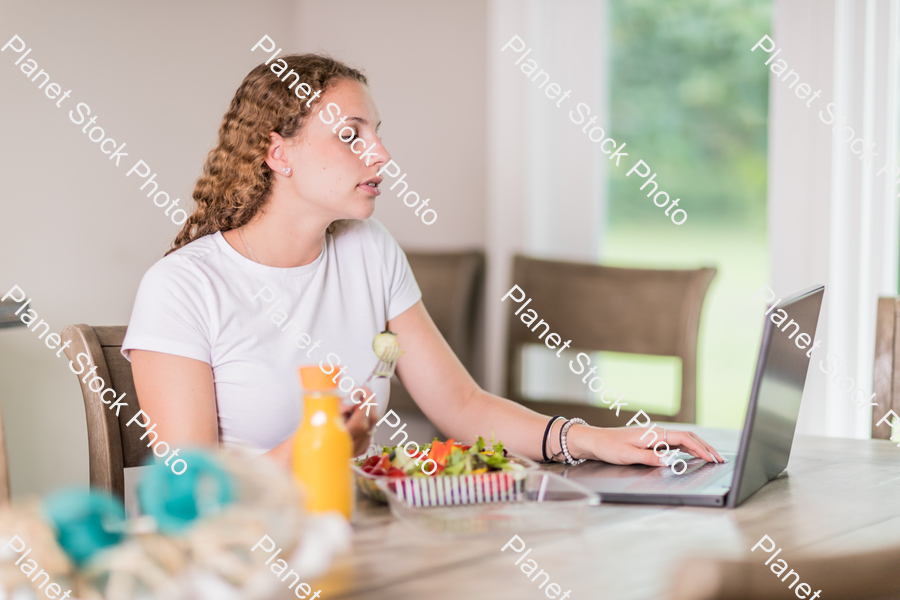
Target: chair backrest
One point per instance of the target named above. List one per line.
(111, 445)
(451, 284)
(5, 494)
(641, 311)
(886, 377)
(8, 318)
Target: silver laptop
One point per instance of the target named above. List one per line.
(764, 447)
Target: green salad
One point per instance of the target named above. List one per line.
(450, 459)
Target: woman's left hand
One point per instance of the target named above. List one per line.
(624, 446)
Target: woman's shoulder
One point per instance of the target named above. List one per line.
(197, 250)
(188, 263)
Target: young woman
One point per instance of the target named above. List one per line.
(280, 265)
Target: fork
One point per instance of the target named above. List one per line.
(384, 369)
(386, 365)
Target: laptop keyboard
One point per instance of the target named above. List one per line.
(698, 475)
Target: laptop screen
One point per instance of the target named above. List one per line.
(777, 389)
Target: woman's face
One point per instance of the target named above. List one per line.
(328, 172)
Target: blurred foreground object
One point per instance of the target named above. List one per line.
(868, 575)
(28, 522)
(85, 522)
(195, 538)
(175, 501)
(195, 543)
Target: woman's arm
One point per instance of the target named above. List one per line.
(179, 395)
(452, 400)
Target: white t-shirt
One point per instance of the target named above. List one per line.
(256, 324)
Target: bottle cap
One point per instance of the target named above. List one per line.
(314, 379)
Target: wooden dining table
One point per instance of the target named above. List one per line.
(837, 496)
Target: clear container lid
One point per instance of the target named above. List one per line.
(547, 501)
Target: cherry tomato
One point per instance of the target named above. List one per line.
(395, 472)
(380, 466)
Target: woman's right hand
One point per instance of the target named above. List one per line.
(359, 426)
(283, 453)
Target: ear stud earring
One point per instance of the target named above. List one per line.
(287, 170)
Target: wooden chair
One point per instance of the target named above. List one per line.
(112, 446)
(865, 575)
(886, 377)
(8, 318)
(5, 494)
(451, 284)
(642, 311)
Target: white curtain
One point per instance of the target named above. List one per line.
(832, 218)
(545, 178)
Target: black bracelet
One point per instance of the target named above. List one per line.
(546, 435)
(561, 445)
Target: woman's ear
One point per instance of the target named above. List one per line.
(276, 157)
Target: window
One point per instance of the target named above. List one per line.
(687, 96)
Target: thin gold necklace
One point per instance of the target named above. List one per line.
(249, 249)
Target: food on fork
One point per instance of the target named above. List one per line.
(384, 344)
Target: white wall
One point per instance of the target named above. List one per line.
(546, 198)
(76, 234)
(426, 69)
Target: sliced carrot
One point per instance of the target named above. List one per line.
(448, 448)
(440, 451)
(436, 449)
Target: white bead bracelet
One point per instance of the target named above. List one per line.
(562, 440)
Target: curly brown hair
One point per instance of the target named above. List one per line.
(236, 181)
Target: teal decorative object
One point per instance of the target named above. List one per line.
(175, 501)
(86, 521)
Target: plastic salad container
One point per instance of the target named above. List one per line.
(367, 482)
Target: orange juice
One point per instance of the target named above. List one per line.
(322, 447)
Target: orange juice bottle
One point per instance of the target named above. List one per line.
(322, 447)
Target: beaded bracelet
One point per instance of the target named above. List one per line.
(563, 433)
(546, 435)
